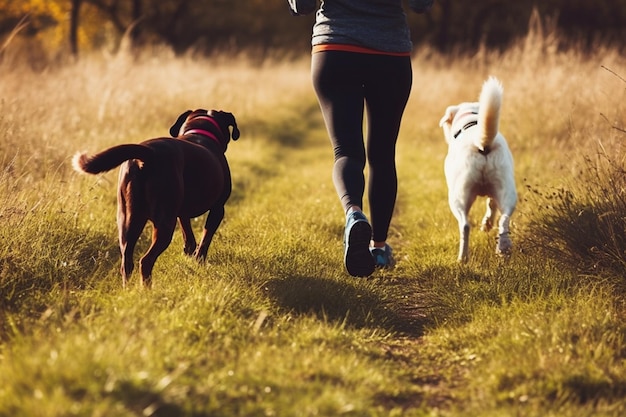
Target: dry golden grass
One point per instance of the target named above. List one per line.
(272, 322)
(98, 102)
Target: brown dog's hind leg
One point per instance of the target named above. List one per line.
(129, 232)
(161, 239)
(188, 237)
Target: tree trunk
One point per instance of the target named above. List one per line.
(136, 16)
(443, 35)
(74, 24)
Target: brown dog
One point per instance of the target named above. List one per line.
(164, 179)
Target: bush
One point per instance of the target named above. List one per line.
(583, 224)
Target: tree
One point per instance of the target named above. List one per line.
(208, 25)
(74, 23)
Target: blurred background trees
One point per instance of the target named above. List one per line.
(54, 28)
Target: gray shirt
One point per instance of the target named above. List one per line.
(375, 24)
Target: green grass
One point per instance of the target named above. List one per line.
(271, 325)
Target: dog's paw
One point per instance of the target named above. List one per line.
(462, 260)
(505, 245)
(200, 255)
(189, 248)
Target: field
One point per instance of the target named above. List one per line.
(271, 325)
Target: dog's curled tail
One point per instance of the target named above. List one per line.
(490, 102)
(110, 158)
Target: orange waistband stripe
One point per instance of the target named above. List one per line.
(354, 48)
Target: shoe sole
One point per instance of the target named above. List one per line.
(358, 259)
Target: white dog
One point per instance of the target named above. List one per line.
(479, 163)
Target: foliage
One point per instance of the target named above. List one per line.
(207, 26)
(582, 220)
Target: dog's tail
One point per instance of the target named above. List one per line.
(490, 102)
(110, 158)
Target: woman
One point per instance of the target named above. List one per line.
(361, 62)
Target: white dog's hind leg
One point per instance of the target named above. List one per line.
(506, 204)
(464, 230)
(490, 216)
(460, 210)
(505, 245)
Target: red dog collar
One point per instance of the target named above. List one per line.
(205, 132)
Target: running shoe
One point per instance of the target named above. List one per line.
(356, 242)
(383, 257)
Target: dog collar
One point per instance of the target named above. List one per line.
(209, 119)
(464, 115)
(465, 127)
(203, 133)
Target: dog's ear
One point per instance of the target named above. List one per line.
(226, 120)
(448, 116)
(175, 129)
(232, 122)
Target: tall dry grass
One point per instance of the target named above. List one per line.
(102, 100)
(561, 107)
(272, 322)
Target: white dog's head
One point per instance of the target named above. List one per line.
(456, 117)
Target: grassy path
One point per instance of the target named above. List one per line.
(272, 325)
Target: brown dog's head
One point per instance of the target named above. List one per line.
(197, 119)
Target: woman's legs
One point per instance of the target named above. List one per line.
(344, 82)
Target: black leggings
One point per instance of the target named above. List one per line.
(346, 83)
